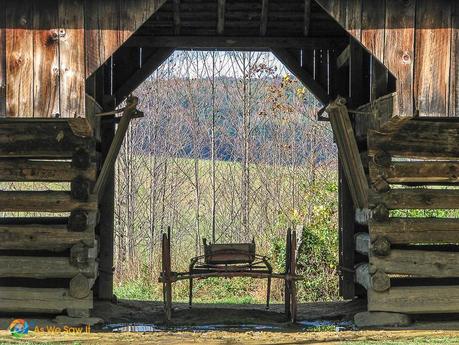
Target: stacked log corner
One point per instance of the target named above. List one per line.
(413, 257)
(47, 262)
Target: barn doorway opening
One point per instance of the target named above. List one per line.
(229, 150)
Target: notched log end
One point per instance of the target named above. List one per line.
(381, 247)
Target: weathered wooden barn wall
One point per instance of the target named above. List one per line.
(49, 47)
(417, 40)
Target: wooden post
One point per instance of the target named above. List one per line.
(346, 237)
(294, 302)
(166, 274)
(107, 221)
(287, 289)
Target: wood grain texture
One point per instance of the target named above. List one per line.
(454, 72)
(407, 137)
(416, 299)
(42, 237)
(108, 24)
(416, 230)
(42, 267)
(354, 18)
(2, 60)
(42, 171)
(19, 59)
(349, 153)
(72, 58)
(426, 172)
(418, 263)
(40, 300)
(433, 57)
(373, 27)
(417, 199)
(40, 139)
(399, 49)
(48, 201)
(45, 59)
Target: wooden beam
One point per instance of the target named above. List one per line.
(41, 138)
(234, 42)
(307, 16)
(419, 263)
(294, 66)
(42, 267)
(47, 201)
(416, 230)
(221, 16)
(40, 300)
(349, 152)
(425, 172)
(346, 235)
(130, 112)
(416, 300)
(106, 227)
(137, 78)
(41, 237)
(416, 138)
(42, 171)
(264, 17)
(417, 199)
(343, 58)
(177, 21)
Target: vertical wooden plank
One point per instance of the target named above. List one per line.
(354, 18)
(138, 12)
(2, 61)
(46, 58)
(373, 25)
(454, 74)
(433, 56)
(110, 23)
(104, 31)
(19, 59)
(93, 60)
(399, 53)
(336, 8)
(72, 58)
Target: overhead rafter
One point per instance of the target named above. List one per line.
(244, 43)
(137, 78)
(221, 16)
(307, 16)
(294, 66)
(264, 17)
(177, 21)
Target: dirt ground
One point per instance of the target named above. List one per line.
(229, 314)
(249, 338)
(190, 326)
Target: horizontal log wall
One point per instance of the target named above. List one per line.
(48, 48)
(57, 253)
(34, 300)
(416, 40)
(412, 251)
(416, 300)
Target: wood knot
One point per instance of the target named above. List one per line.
(406, 58)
